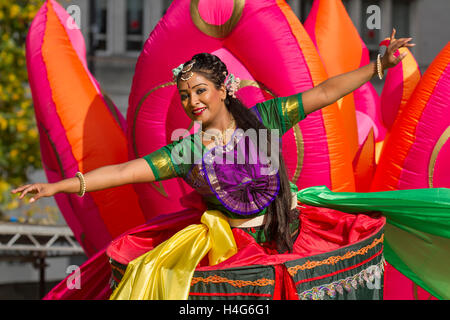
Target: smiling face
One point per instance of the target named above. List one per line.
(202, 101)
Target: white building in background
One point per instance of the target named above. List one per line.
(115, 31)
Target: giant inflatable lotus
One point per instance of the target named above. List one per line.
(364, 142)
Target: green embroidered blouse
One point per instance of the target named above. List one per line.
(182, 158)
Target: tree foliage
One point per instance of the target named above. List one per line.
(19, 139)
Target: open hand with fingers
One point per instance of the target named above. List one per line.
(389, 60)
(38, 189)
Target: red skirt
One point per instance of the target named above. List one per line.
(335, 256)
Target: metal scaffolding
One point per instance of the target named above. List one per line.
(35, 243)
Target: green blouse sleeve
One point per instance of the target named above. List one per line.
(173, 160)
(281, 113)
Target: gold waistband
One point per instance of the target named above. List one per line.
(247, 223)
(256, 221)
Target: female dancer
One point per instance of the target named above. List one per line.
(251, 194)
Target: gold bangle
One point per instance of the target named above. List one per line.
(380, 70)
(80, 176)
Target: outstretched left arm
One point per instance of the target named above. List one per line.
(339, 86)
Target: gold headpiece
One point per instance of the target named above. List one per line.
(185, 70)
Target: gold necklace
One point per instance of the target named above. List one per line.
(221, 136)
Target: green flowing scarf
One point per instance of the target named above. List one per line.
(417, 231)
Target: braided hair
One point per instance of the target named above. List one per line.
(279, 212)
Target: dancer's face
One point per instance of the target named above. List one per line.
(201, 100)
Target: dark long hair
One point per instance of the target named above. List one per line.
(279, 212)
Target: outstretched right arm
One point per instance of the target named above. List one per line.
(134, 171)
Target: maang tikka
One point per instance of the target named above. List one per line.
(185, 70)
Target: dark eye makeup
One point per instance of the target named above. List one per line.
(197, 91)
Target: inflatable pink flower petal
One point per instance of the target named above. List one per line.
(399, 84)
(263, 44)
(79, 128)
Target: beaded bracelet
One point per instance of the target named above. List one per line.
(379, 67)
(80, 176)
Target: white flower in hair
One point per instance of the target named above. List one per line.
(176, 71)
(232, 84)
